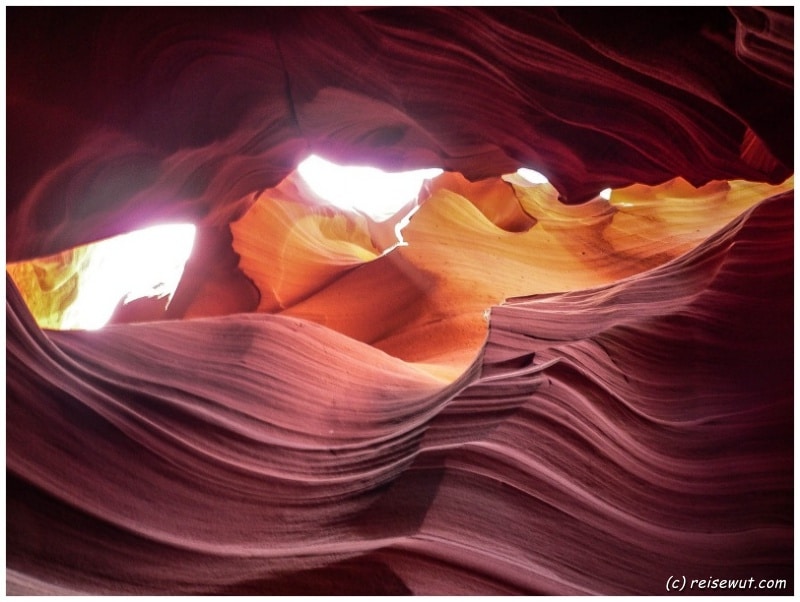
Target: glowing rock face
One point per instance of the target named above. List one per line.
(468, 248)
(542, 391)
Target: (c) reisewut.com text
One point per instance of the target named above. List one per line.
(680, 583)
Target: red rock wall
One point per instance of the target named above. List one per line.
(184, 113)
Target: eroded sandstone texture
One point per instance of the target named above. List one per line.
(541, 392)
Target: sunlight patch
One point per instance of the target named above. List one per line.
(532, 176)
(145, 263)
(368, 190)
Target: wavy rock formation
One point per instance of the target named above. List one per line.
(539, 391)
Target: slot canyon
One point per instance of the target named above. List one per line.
(579, 384)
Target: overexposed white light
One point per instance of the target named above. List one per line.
(145, 263)
(369, 190)
(605, 194)
(398, 227)
(533, 176)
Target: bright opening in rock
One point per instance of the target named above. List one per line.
(144, 263)
(368, 190)
(80, 288)
(533, 176)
